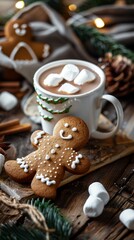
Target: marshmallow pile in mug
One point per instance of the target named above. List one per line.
(71, 74)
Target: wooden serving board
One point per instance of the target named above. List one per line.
(100, 153)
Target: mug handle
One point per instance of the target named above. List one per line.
(119, 112)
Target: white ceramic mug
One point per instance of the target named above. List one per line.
(87, 106)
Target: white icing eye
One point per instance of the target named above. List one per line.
(24, 26)
(16, 25)
(66, 125)
(74, 129)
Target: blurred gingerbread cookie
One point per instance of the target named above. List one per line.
(19, 44)
(46, 166)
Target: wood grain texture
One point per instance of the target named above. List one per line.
(72, 196)
(100, 153)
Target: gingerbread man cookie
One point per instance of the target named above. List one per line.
(19, 44)
(46, 166)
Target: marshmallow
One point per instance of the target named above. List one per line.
(69, 72)
(96, 189)
(68, 88)
(84, 76)
(93, 207)
(127, 218)
(7, 101)
(52, 80)
(2, 160)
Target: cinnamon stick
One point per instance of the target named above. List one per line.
(10, 84)
(20, 94)
(9, 123)
(16, 129)
(10, 89)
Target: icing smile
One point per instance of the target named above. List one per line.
(20, 32)
(67, 137)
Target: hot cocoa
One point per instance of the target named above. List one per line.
(69, 79)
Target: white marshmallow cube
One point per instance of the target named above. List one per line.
(127, 218)
(68, 88)
(84, 76)
(8, 101)
(69, 72)
(93, 206)
(52, 80)
(96, 189)
(2, 160)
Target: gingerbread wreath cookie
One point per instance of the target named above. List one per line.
(55, 154)
(19, 44)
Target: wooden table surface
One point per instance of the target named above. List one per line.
(117, 177)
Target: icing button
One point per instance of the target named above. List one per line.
(53, 151)
(47, 157)
(57, 145)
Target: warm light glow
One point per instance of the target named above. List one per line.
(72, 7)
(20, 4)
(99, 23)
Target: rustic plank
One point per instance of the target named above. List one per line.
(15, 190)
(129, 236)
(108, 226)
(72, 196)
(101, 153)
(71, 202)
(8, 214)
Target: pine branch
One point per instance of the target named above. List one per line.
(40, 212)
(93, 3)
(54, 218)
(101, 43)
(87, 4)
(57, 5)
(130, 1)
(9, 232)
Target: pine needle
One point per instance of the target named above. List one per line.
(101, 43)
(54, 218)
(48, 222)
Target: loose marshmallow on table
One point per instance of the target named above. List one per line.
(52, 80)
(127, 218)
(2, 160)
(69, 72)
(68, 88)
(96, 189)
(84, 76)
(7, 101)
(93, 206)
